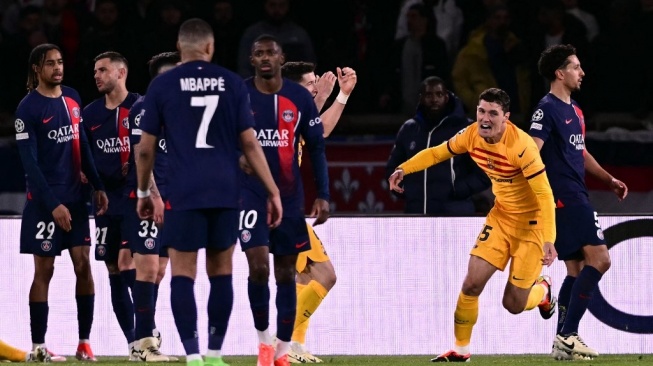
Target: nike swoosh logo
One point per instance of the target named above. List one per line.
(517, 279)
(522, 153)
(93, 128)
(124, 242)
(46, 120)
(87, 239)
(568, 121)
(568, 345)
(301, 244)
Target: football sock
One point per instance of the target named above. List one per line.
(143, 293)
(156, 297)
(281, 349)
(38, 313)
(128, 277)
(535, 297)
(259, 302)
(12, 354)
(221, 300)
(184, 310)
(85, 305)
(563, 300)
(464, 319)
(299, 333)
(286, 309)
(308, 300)
(581, 293)
(122, 306)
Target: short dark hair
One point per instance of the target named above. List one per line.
(194, 29)
(266, 38)
(113, 57)
(554, 58)
(295, 70)
(160, 60)
(36, 58)
(431, 80)
(498, 96)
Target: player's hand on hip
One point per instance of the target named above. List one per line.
(145, 208)
(395, 179)
(275, 211)
(550, 254)
(619, 188)
(321, 211)
(158, 209)
(102, 202)
(62, 217)
(244, 165)
(346, 79)
(325, 84)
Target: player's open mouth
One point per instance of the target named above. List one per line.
(266, 67)
(485, 126)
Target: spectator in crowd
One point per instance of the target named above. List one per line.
(171, 13)
(295, 41)
(227, 33)
(448, 19)
(414, 57)
(588, 20)
(608, 49)
(107, 33)
(445, 188)
(493, 56)
(554, 26)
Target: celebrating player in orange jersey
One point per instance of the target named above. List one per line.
(520, 227)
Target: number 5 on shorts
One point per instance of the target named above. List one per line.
(485, 233)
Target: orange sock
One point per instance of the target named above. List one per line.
(12, 354)
(464, 318)
(308, 300)
(535, 297)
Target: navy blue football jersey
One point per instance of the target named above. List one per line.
(161, 160)
(108, 134)
(202, 108)
(281, 120)
(50, 129)
(562, 128)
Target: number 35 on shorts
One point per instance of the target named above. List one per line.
(148, 229)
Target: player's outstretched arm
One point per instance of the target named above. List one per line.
(144, 167)
(256, 159)
(594, 168)
(346, 81)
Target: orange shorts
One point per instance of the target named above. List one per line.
(497, 243)
(317, 253)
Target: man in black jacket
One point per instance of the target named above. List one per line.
(444, 188)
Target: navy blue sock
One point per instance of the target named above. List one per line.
(563, 300)
(143, 304)
(38, 315)
(184, 310)
(156, 297)
(259, 302)
(221, 300)
(85, 305)
(124, 310)
(128, 277)
(581, 294)
(286, 310)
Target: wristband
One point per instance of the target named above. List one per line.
(142, 194)
(342, 98)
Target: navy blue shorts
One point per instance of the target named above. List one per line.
(191, 230)
(289, 238)
(110, 237)
(576, 227)
(40, 235)
(142, 235)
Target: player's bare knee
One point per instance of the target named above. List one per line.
(513, 306)
(470, 288)
(82, 269)
(259, 272)
(43, 275)
(284, 274)
(112, 268)
(329, 280)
